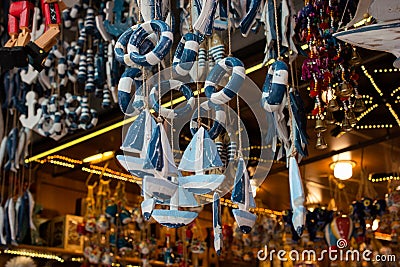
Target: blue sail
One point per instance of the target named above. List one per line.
(238, 192)
(159, 154)
(138, 134)
(155, 158)
(241, 194)
(186, 198)
(201, 154)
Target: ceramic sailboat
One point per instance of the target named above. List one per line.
(243, 196)
(139, 133)
(163, 188)
(201, 154)
(159, 160)
(382, 36)
(173, 217)
(297, 196)
(217, 225)
(137, 140)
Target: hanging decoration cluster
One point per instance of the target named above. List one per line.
(330, 66)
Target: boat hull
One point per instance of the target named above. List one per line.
(147, 208)
(202, 183)
(160, 188)
(244, 219)
(382, 37)
(174, 218)
(134, 165)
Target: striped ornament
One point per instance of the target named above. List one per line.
(84, 118)
(89, 85)
(232, 87)
(160, 50)
(92, 122)
(106, 102)
(274, 88)
(125, 85)
(72, 110)
(186, 54)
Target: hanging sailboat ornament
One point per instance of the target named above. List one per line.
(201, 154)
(165, 191)
(382, 36)
(205, 21)
(137, 140)
(139, 133)
(243, 196)
(249, 18)
(217, 225)
(297, 196)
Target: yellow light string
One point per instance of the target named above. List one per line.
(34, 254)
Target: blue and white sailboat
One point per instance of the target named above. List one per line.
(139, 134)
(243, 196)
(137, 140)
(217, 225)
(382, 36)
(201, 154)
(173, 217)
(297, 196)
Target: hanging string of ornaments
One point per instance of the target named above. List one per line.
(330, 66)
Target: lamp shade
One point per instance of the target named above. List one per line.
(343, 170)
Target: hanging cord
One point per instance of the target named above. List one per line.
(145, 89)
(240, 154)
(159, 90)
(190, 15)
(293, 148)
(229, 31)
(140, 11)
(277, 29)
(155, 13)
(344, 13)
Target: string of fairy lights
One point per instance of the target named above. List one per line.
(376, 178)
(33, 254)
(371, 79)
